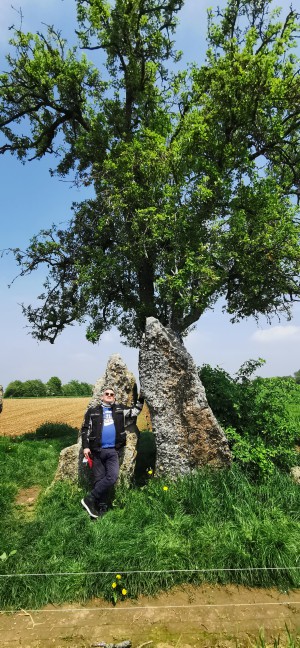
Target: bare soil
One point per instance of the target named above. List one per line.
(26, 500)
(185, 617)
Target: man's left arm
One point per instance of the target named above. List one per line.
(134, 411)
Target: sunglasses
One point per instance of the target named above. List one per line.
(108, 393)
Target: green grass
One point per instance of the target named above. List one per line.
(295, 414)
(212, 520)
(287, 641)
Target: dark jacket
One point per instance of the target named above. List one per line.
(91, 430)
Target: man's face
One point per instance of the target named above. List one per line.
(108, 397)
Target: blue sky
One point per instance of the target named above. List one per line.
(32, 200)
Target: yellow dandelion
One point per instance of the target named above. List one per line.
(118, 576)
(114, 585)
(150, 472)
(124, 591)
(165, 488)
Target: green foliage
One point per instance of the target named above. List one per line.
(76, 388)
(27, 389)
(4, 556)
(194, 171)
(14, 389)
(257, 416)
(297, 376)
(54, 387)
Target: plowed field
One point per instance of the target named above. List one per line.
(25, 415)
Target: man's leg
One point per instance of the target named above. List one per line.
(98, 475)
(89, 502)
(105, 475)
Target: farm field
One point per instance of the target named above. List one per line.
(20, 416)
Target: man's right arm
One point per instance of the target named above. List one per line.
(84, 434)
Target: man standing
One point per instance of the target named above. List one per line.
(103, 435)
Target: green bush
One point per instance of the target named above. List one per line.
(257, 415)
(55, 431)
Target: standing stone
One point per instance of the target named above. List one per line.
(68, 463)
(117, 376)
(1, 398)
(71, 464)
(187, 433)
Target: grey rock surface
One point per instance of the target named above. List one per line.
(295, 473)
(71, 467)
(120, 378)
(187, 433)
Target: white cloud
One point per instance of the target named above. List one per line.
(277, 334)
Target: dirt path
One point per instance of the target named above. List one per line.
(186, 617)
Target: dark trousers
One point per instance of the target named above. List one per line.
(105, 472)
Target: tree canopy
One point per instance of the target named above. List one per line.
(195, 171)
(297, 376)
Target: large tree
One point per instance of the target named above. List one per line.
(196, 172)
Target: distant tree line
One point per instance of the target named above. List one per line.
(54, 387)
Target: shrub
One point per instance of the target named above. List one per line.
(54, 431)
(256, 415)
(63, 431)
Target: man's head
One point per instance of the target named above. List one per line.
(108, 395)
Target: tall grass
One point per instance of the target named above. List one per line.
(216, 521)
(294, 409)
(288, 641)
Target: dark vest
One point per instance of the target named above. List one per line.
(94, 435)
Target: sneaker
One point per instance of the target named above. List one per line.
(102, 509)
(89, 504)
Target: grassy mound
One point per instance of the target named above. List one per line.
(216, 526)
